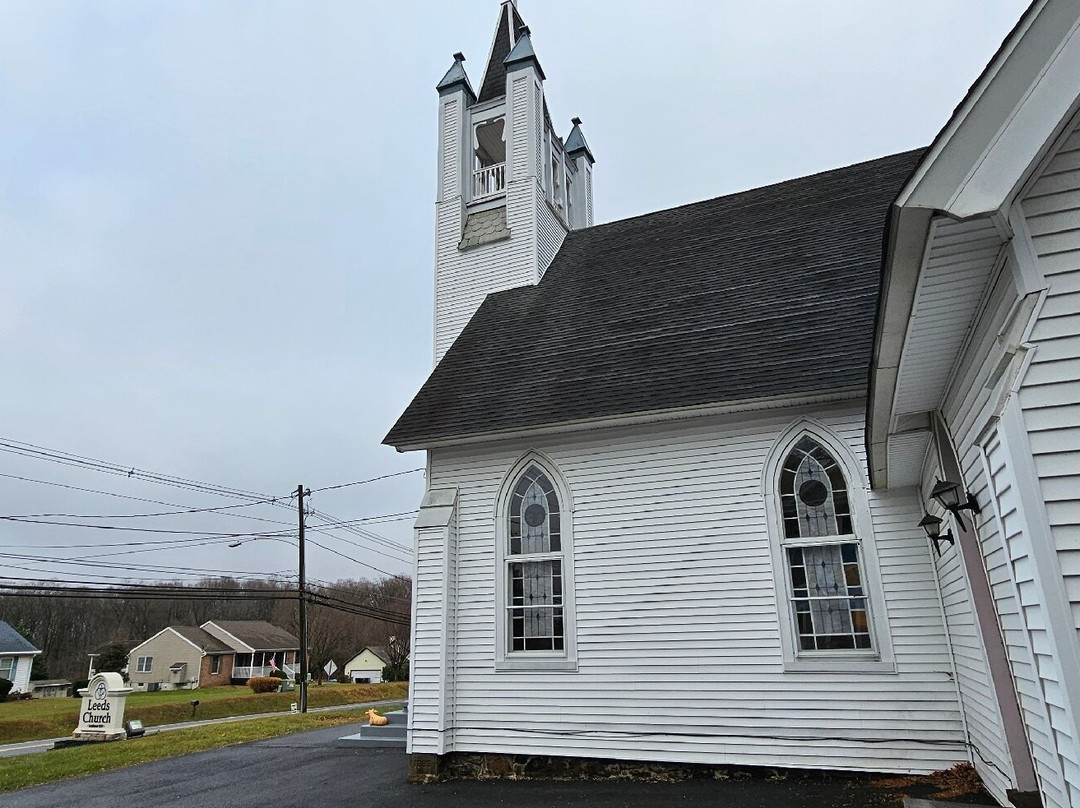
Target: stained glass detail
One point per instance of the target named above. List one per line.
(534, 515)
(813, 493)
(535, 608)
(828, 597)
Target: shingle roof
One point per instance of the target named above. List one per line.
(259, 634)
(12, 642)
(202, 638)
(494, 83)
(767, 292)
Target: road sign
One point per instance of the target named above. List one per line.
(330, 667)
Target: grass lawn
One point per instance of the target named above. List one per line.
(54, 718)
(61, 764)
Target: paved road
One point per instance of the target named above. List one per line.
(307, 769)
(44, 745)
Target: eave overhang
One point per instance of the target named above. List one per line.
(974, 170)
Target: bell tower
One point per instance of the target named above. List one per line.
(509, 188)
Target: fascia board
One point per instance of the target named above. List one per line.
(909, 237)
(648, 417)
(1009, 116)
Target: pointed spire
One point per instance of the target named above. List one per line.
(455, 77)
(494, 83)
(523, 53)
(575, 142)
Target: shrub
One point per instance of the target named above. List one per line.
(396, 673)
(278, 673)
(77, 685)
(5, 687)
(264, 684)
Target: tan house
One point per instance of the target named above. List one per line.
(367, 666)
(180, 657)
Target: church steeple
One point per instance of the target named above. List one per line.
(508, 189)
(506, 33)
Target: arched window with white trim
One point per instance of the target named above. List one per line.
(828, 589)
(535, 597)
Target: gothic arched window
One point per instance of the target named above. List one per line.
(829, 600)
(535, 606)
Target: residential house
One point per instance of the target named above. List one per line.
(16, 658)
(687, 472)
(259, 647)
(367, 666)
(180, 657)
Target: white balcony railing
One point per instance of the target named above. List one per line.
(489, 181)
(260, 670)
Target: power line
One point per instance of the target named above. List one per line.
(107, 467)
(138, 515)
(365, 482)
(205, 533)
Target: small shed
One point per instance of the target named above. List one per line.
(50, 688)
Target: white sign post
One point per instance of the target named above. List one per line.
(102, 715)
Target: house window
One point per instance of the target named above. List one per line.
(215, 664)
(7, 667)
(556, 182)
(824, 561)
(536, 593)
(569, 200)
(143, 664)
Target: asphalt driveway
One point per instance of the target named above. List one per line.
(307, 769)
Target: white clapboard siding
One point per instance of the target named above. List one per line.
(677, 616)
(982, 715)
(550, 232)
(1038, 675)
(426, 707)
(970, 408)
(1050, 396)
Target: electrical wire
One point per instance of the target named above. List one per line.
(365, 482)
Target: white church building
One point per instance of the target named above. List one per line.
(786, 478)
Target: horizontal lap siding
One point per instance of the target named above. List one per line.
(982, 714)
(1050, 400)
(425, 659)
(677, 625)
(549, 233)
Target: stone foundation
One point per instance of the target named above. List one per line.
(496, 766)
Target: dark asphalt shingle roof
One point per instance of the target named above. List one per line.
(494, 85)
(12, 642)
(762, 293)
(202, 638)
(259, 634)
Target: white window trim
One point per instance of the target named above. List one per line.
(566, 659)
(149, 662)
(878, 659)
(13, 670)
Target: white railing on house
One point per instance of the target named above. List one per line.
(489, 181)
(260, 670)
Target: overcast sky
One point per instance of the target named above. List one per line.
(216, 221)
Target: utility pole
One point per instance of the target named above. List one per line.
(302, 587)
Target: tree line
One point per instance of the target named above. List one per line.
(343, 616)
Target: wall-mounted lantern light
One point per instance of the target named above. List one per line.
(947, 495)
(932, 525)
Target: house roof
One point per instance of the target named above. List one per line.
(766, 293)
(258, 634)
(201, 638)
(494, 83)
(12, 642)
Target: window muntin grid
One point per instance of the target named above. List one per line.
(813, 493)
(829, 599)
(534, 565)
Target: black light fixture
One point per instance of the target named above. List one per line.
(932, 525)
(947, 495)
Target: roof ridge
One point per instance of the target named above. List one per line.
(746, 191)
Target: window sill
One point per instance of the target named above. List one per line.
(536, 663)
(839, 664)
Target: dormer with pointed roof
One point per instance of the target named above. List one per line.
(509, 190)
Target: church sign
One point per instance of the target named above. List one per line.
(102, 715)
